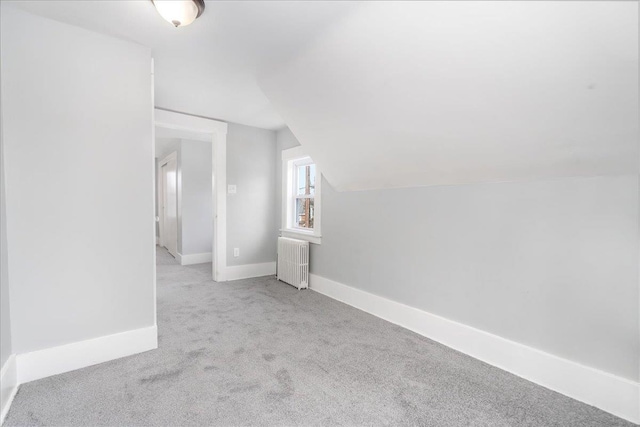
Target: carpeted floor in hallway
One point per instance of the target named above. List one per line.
(260, 352)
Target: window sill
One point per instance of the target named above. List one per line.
(302, 235)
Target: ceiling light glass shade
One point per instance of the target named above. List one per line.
(179, 12)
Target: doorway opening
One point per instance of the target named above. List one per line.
(167, 202)
(204, 161)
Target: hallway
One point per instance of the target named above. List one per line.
(259, 352)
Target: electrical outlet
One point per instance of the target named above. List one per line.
(231, 189)
(236, 252)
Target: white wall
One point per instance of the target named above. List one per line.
(251, 212)
(552, 264)
(77, 127)
(5, 308)
(166, 146)
(196, 199)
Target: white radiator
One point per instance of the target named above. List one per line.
(293, 262)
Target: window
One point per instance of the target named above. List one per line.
(305, 185)
(301, 181)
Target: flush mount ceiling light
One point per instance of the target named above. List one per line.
(179, 12)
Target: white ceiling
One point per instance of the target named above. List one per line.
(402, 94)
(426, 93)
(209, 67)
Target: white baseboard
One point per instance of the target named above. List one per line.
(237, 272)
(8, 386)
(616, 395)
(57, 360)
(189, 259)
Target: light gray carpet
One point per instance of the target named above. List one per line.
(259, 352)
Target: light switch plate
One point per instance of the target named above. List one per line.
(231, 189)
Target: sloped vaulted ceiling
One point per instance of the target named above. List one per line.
(427, 93)
(209, 67)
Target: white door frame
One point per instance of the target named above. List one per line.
(161, 195)
(217, 132)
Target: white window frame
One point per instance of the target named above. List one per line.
(291, 159)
